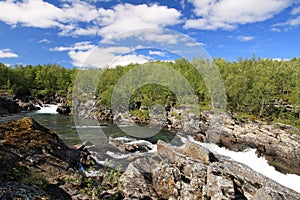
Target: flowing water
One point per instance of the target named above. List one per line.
(73, 134)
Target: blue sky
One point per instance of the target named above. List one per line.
(107, 33)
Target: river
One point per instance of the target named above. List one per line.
(72, 134)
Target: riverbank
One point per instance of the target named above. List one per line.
(278, 143)
(35, 163)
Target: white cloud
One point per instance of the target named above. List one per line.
(285, 26)
(228, 14)
(275, 30)
(7, 53)
(281, 59)
(157, 53)
(194, 44)
(76, 18)
(41, 14)
(296, 11)
(81, 46)
(124, 18)
(33, 13)
(85, 54)
(183, 3)
(244, 38)
(105, 57)
(44, 41)
(128, 59)
(294, 22)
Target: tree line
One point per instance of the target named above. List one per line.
(37, 81)
(262, 88)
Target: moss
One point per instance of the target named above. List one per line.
(141, 114)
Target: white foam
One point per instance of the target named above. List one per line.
(124, 125)
(83, 127)
(117, 155)
(143, 142)
(47, 109)
(124, 139)
(260, 165)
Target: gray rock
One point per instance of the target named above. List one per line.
(185, 173)
(16, 190)
(198, 152)
(134, 184)
(275, 143)
(267, 193)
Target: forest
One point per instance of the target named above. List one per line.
(255, 88)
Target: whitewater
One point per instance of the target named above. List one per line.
(247, 157)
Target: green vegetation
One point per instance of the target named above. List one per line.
(259, 88)
(36, 81)
(104, 186)
(263, 88)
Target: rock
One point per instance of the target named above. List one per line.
(104, 114)
(36, 161)
(16, 190)
(85, 109)
(30, 138)
(188, 176)
(198, 152)
(267, 193)
(276, 143)
(134, 184)
(128, 146)
(28, 106)
(8, 105)
(166, 152)
(63, 109)
(166, 180)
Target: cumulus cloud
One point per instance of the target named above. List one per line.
(41, 14)
(77, 18)
(228, 14)
(124, 18)
(7, 53)
(85, 54)
(124, 60)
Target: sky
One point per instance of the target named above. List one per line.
(106, 33)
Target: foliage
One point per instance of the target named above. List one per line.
(262, 88)
(104, 186)
(37, 81)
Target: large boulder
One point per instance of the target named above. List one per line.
(8, 105)
(180, 173)
(35, 163)
(64, 109)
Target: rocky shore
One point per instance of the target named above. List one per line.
(11, 104)
(192, 172)
(8, 106)
(36, 164)
(278, 143)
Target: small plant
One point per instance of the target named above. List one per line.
(98, 186)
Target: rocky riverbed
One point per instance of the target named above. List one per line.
(36, 164)
(278, 143)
